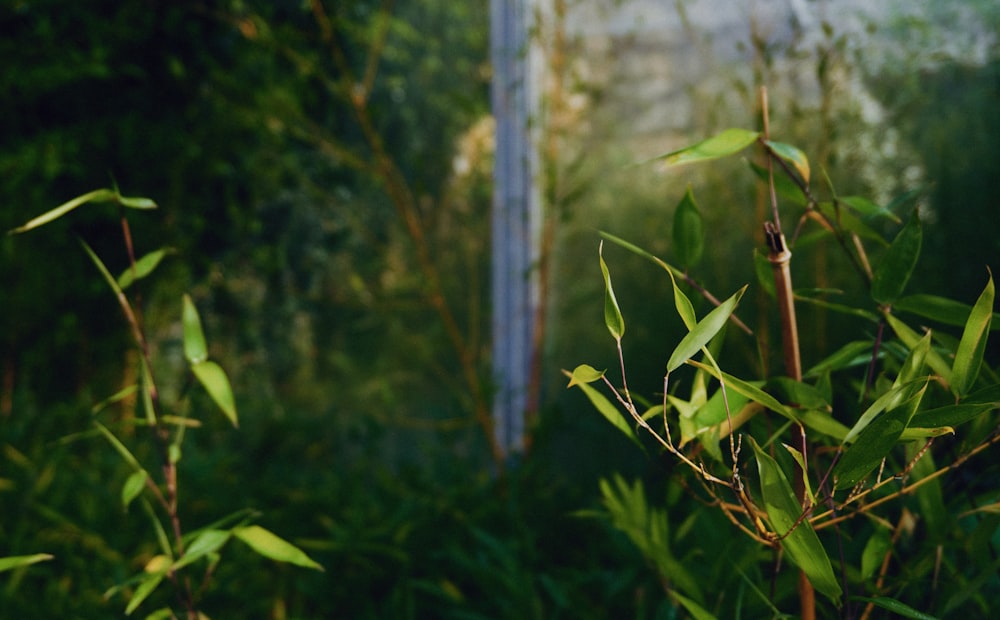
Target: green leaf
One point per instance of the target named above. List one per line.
(271, 546)
(951, 415)
(133, 486)
(911, 339)
(969, 356)
(604, 406)
(791, 155)
(913, 365)
(119, 447)
(688, 231)
(704, 331)
(941, 309)
(195, 349)
(747, 389)
(207, 542)
(697, 611)
(135, 202)
(847, 220)
(764, 271)
(900, 609)
(631, 247)
(612, 314)
(851, 354)
(874, 553)
(16, 561)
(98, 195)
(784, 186)
(143, 267)
(868, 208)
(896, 267)
(893, 398)
(783, 510)
(584, 373)
(874, 442)
(216, 383)
(144, 589)
(729, 142)
(683, 305)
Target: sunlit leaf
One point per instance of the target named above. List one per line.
(791, 155)
(99, 195)
(969, 356)
(271, 546)
(783, 511)
(912, 433)
(704, 331)
(897, 608)
(195, 348)
(913, 365)
(892, 399)
(584, 373)
(216, 383)
(729, 142)
(874, 443)
(606, 408)
(143, 267)
(688, 231)
(894, 270)
(16, 561)
(612, 314)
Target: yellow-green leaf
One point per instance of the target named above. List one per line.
(271, 546)
(793, 156)
(216, 383)
(729, 142)
(195, 348)
(612, 314)
(969, 356)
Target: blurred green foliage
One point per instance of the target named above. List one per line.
(356, 439)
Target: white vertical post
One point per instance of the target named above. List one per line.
(515, 215)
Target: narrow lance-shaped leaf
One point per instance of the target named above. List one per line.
(581, 377)
(874, 443)
(896, 266)
(688, 231)
(942, 309)
(17, 561)
(783, 511)
(98, 195)
(612, 314)
(195, 349)
(729, 142)
(216, 383)
(969, 356)
(143, 267)
(911, 339)
(704, 331)
(271, 546)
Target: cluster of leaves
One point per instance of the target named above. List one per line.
(167, 424)
(843, 457)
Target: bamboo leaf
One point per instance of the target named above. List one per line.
(206, 542)
(604, 406)
(216, 383)
(704, 331)
(941, 309)
(271, 546)
(969, 356)
(146, 587)
(784, 186)
(584, 373)
(612, 314)
(896, 266)
(851, 354)
(783, 511)
(688, 231)
(195, 348)
(868, 208)
(874, 442)
(729, 142)
(896, 607)
(911, 339)
(98, 195)
(951, 415)
(697, 611)
(16, 561)
(791, 155)
(133, 486)
(892, 399)
(143, 267)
